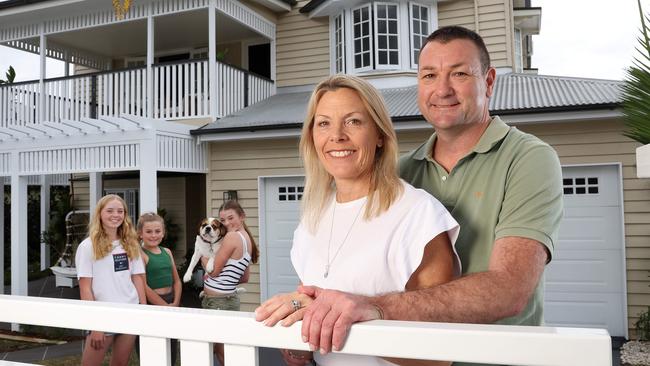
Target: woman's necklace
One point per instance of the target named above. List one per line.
(329, 242)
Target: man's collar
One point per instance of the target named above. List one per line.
(494, 133)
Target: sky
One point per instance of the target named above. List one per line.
(581, 38)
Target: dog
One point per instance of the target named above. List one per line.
(211, 231)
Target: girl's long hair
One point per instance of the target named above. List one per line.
(102, 245)
(235, 206)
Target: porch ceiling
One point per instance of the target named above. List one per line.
(172, 32)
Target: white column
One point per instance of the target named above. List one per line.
(212, 58)
(2, 235)
(273, 66)
(45, 219)
(95, 189)
(66, 56)
(41, 82)
(18, 230)
(150, 57)
(148, 179)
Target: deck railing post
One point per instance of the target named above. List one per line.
(93, 96)
(247, 76)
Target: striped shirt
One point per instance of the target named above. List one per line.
(228, 279)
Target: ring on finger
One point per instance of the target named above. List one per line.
(295, 304)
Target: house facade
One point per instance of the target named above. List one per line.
(233, 77)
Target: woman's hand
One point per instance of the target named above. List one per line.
(97, 340)
(289, 308)
(296, 358)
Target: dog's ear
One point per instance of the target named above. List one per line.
(222, 229)
(200, 225)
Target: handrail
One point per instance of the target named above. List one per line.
(197, 328)
(161, 64)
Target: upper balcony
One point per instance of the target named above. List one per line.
(163, 59)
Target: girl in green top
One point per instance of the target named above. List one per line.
(163, 283)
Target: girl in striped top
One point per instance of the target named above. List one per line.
(231, 264)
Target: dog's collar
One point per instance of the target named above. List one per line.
(205, 241)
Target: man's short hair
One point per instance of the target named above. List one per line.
(450, 33)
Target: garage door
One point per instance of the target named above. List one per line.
(585, 282)
(281, 211)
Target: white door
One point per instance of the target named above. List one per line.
(585, 281)
(281, 214)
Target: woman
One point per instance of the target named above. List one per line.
(363, 230)
(231, 264)
(110, 268)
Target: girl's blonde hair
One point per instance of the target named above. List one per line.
(102, 245)
(385, 185)
(235, 206)
(149, 217)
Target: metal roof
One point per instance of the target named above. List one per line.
(513, 94)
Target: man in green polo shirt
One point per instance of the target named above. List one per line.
(503, 186)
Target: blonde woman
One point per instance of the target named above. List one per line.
(110, 268)
(363, 230)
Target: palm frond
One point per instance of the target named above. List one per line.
(636, 88)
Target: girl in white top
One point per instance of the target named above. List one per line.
(363, 230)
(110, 268)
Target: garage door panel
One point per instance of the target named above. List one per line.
(585, 271)
(586, 186)
(280, 228)
(282, 271)
(563, 309)
(590, 228)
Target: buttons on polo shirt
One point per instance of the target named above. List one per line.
(444, 178)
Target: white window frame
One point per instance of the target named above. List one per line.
(388, 50)
(353, 52)
(405, 38)
(339, 41)
(423, 35)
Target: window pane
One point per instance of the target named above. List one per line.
(382, 58)
(425, 14)
(366, 28)
(381, 11)
(393, 58)
(416, 27)
(366, 43)
(356, 16)
(382, 42)
(381, 27)
(357, 45)
(392, 11)
(416, 43)
(392, 26)
(416, 11)
(366, 59)
(357, 30)
(392, 42)
(357, 61)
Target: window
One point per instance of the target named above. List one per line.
(362, 35)
(386, 36)
(580, 185)
(380, 35)
(419, 16)
(339, 44)
(290, 193)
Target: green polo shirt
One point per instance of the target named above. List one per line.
(510, 184)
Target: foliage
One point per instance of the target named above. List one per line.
(171, 230)
(10, 75)
(636, 88)
(55, 235)
(643, 326)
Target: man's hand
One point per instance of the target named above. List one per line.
(328, 319)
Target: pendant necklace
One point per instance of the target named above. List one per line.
(329, 242)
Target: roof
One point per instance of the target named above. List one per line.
(14, 3)
(313, 4)
(513, 94)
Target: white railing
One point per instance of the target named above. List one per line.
(241, 334)
(180, 91)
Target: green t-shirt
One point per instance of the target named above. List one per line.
(510, 184)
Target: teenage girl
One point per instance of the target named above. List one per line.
(231, 265)
(110, 268)
(163, 285)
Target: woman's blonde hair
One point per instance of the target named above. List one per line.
(102, 245)
(385, 186)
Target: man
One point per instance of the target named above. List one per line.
(501, 185)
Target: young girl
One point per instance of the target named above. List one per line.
(231, 264)
(109, 268)
(163, 285)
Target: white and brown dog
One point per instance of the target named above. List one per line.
(207, 244)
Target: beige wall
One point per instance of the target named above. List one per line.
(302, 48)
(237, 165)
(493, 23)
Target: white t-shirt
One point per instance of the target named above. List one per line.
(111, 275)
(378, 256)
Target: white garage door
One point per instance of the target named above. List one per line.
(281, 210)
(585, 282)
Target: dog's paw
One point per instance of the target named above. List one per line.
(188, 277)
(240, 290)
(201, 294)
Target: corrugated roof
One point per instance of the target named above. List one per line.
(513, 93)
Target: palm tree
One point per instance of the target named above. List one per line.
(10, 75)
(636, 88)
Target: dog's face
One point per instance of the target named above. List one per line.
(211, 230)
